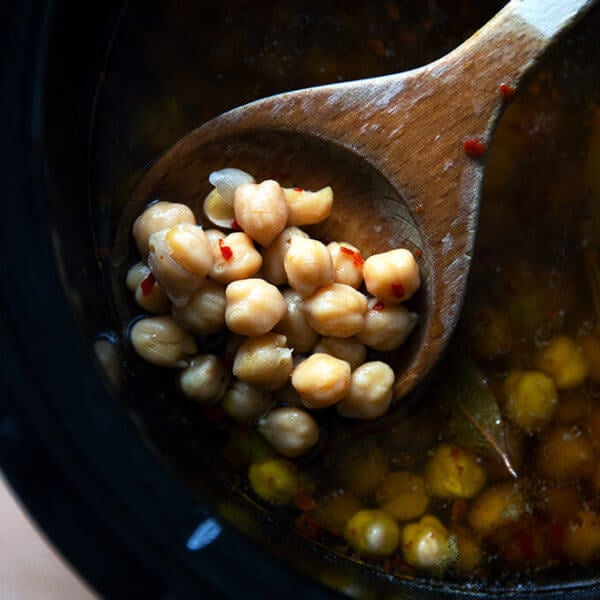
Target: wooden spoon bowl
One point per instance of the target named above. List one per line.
(393, 149)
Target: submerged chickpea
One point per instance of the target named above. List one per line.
(497, 507)
(274, 255)
(234, 257)
(254, 307)
(334, 511)
(347, 263)
(159, 216)
(361, 468)
(162, 342)
(336, 310)
(274, 480)
(148, 293)
(386, 326)
(264, 362)
(205, 311)
(392, 276)
(531, 399)
(370, 392)
(218, 210)
(245, 403)
(294, 324)
(403, 495)
(308, 208)
(205, 380)
(427, 544)
(582, 536)
(290, 430)
(180, 259)
(564, 361)
(321, 380)
(261, 210)
(373, 532)
(307, 265)
(348, 349)
(453, 472)
(490, 332)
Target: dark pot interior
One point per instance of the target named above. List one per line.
(126, 481)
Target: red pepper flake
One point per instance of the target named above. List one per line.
(304, 502)
(357, 258)
(419, 209)
(418, 253)
(308, 525)
(474, 148)
(526, 545)
(235, 225)
(507, 91)
(226, 251)
(298, 189)
(459, 509)
(398, 290)
(147, 285)
(378, 306)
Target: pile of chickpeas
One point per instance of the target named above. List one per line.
(301, 315)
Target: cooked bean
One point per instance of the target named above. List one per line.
(370, 392)
(245, 403)
(159, 216)
(275, 479)
(261, 210)
(347, 263)
(264, 362)
(392, 276)
(321, 380)
(386, 326)
(234, 257)
(148, 293)
(254, 307)
(228, 180)
(373, 532)
(291, 431)
(497, 507)
(308, 265)
(563, 360)
(294, 325)
(336, 310)
(218, 211)
(205, 311)
(205, 380)
(348, 349)
(274, 255)
(426, 544)
(180, 259)
(160, 341)
(308, 208)
(403, 495)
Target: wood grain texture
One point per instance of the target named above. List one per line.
(392, 149)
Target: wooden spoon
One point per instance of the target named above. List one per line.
(393, 149)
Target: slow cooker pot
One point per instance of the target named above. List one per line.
(121, 480)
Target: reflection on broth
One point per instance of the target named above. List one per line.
(496, 471)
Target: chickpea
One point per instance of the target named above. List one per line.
(254, 307)
(234, 257)
(573, 407)
(590, 345)
(564, 453)
(453, 472)
(205, 380)
(148, 293)
(427, 544)
(321, 380)
(582, 536)
(161, 342)
(228, 180)
(361, 469)
(159, 216)
(531, 399)
(307, 265)
(392, 276)
(275, 480)
(291, 431)
(347, 263)
(497, 507)
(308, 208)
(336, 310)
(559, 503)
(564, 361)
(294, 325)
(386, 326)
(218, 211)
(370, 392)
(287, 394)
(348, 349)
(261, 210)
(490, 333)
(180, 259)
(334, 512)
(372, 532)
(403, 495)
(274, 255)
(205, 311)
(264, 362)
(110, 360)
(469, 551)
(245, 403)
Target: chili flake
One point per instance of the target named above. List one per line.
(419, 209)
(474, 148)
(235, 225)
(147, 285)
(226, 251)
(298, 189)
(378, 306)
(398, 290)
(357, 259)
(507, 91)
